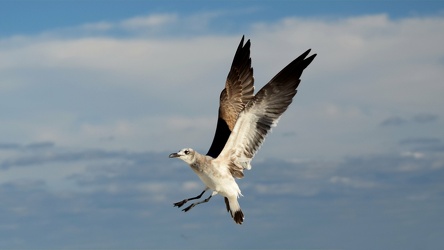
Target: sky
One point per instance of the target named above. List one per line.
(94, 95)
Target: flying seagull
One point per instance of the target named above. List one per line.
(243, 123)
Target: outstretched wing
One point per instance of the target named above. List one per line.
(238, 91)
(262, 113)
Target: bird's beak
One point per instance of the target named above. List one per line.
(174, 155)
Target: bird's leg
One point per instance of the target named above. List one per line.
(180, 203)
(197, 203)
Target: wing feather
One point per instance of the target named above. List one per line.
(261, 114)
(238, 91)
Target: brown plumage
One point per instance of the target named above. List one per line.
(238, 91)
(262, 113)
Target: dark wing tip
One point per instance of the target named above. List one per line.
(293, 70)
(308, 60)
(303, 58)
(242, 45)
(242, 52)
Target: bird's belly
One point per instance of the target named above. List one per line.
(226, 186)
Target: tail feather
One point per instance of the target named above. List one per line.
(234, 209)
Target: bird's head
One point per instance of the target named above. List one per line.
(186, 154)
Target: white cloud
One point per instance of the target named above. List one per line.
(286, 189)
(416, 155)
(148, 22)
(368, 68)
(193, 186)
(99, 26)
(367, 48)
(354, 183)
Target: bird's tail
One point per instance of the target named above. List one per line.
(234, 209)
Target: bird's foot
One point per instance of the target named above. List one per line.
(180, 203)
(189, 207)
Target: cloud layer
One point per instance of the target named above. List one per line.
(98, 198)
(77, 89)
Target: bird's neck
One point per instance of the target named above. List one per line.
(198, 161)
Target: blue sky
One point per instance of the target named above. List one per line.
(94, 95)
(34, 16)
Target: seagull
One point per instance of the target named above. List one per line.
(243, 123)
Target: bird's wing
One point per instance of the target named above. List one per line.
(238, 91)
(260, 114)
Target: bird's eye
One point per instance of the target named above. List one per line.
(187, 152)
